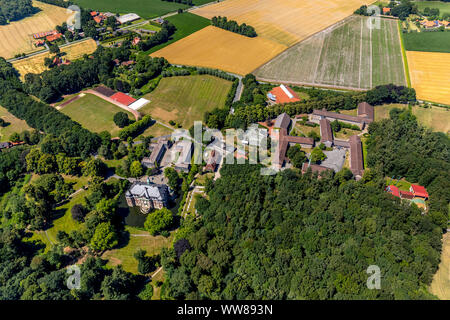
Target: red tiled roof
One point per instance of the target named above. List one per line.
(393, 190)
(94, 13)
(326, 134)
(98, 19)
(123, 98)
(282, 97)
(386, 10)
(419, 191)
(54, 37)
(356, 156)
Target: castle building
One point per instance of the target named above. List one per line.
(147, 196)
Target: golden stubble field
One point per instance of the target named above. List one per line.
(284, 21)
(220, 49)
(17, 37)
(429, 73)
(35, 64)
(279, 24)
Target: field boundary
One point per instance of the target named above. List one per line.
(404, 58)
(308, 84)
(329, 28)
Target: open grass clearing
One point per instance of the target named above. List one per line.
(436, 41)
(94, 113)
(17, 37)
(185, 99)
(14, 125)
(138, 239)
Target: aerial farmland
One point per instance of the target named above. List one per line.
(347, 55)
(17, 37)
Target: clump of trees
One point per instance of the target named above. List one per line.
(158, 221)
(12, 10)
(135, 128)
(294, 236)
(121, 119)
(233, 26)
(296, 155)
(416, 153)
(162, 36)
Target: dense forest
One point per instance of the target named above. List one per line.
(233, 26)
(400, 147)
(294, 236)
(12, 10)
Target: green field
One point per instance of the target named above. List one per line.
(94, 113)
(348, 55)
(437, 41)
(185, 99)
(435, 118)
(444, 7)
(138, 239)
(144, 8)
(14, 125)
(186, 24)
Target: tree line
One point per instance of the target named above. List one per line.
(233, 26)
(13, 10)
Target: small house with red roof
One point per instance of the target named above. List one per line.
(393, 190)
(135, 41)
(123, 98)
(94, 13)
(54, 37)
(419, 191)
(386, 10)
(282, 94)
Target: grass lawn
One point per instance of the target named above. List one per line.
(427, 41)
(140, 240)
(299, 128)
(402, 184)
(435, 118)
(94, 113)
(444, 7)
(344, 133)
(201, 179)
(185, 99)
(79, 182)
(156, 130)
(149, 26)
(186, 24)
(63, 218)
(144, 8)
(15, 125)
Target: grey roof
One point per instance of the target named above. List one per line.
(282, 121)
(158, 151)
(339, 116)
(148, 191)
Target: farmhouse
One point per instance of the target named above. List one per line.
(123, 98)
(127, 18)
(386, 10)
(40, 35)
(417, 194)
(135, 41)
(156, 155)
(356, 157)
(147, 196)
(54, 37)
(282, 94)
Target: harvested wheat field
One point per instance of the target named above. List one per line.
(429, 75)
(284, 21)
(17, 37)
(220, 49)
(440, 286)
(35, 64)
